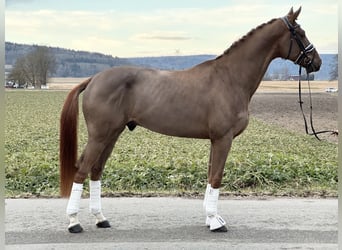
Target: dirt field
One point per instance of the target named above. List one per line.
(283, 109)
(275, 102)
(64, 83)
(292, 86)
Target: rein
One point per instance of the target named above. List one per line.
(304, 50)
(333, 132)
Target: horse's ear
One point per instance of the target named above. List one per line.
(296, 14)
(292, 16)
(290, 12)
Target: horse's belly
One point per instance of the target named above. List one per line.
(176, 118)
(177, 128)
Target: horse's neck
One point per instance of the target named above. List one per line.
(248, 61)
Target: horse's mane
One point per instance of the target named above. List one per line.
(242, 39)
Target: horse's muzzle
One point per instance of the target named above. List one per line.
(312, 68)
(314, 65)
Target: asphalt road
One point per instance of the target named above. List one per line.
(174, 223)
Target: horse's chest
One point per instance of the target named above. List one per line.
(234, 123)
(241, 123)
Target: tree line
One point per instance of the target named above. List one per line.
(33, 69)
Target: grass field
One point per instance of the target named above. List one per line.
(265, 159)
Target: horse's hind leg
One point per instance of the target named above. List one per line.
(88, 159)
(94, 157)
(95, 187)
(73, 208)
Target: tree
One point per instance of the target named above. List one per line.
(285, 73)
(18, 74)
(334, 69)
(44, 64)
(267, 76)
(34, 68)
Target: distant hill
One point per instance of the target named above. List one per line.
(170, 62)
(276, 70)
(72, 63)
(278, 65)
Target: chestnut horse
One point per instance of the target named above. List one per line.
(208, 101)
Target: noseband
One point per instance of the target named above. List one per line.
(304, 49)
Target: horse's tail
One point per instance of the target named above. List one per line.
(68, 139)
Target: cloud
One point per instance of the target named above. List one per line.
(97, 44)
(190, 30)
(172, 38)
(17, 2)
(162, 35)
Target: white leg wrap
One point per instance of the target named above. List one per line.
(213, 220)
(211, 201)
(95, 201)
(95, 197)
(216, 222)
(73, 220)
(99, 218)
(75, 199)
(207, 222)
(206, 195)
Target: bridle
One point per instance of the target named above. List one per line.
(304, 50)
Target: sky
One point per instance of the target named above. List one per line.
(137, 28)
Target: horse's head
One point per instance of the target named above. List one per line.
(296, 46)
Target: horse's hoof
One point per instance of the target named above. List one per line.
(222, 229)
(75, 229)
(103, 224)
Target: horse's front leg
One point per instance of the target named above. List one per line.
(209, 171)
(218, 156)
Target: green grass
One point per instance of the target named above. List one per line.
(265, 159)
